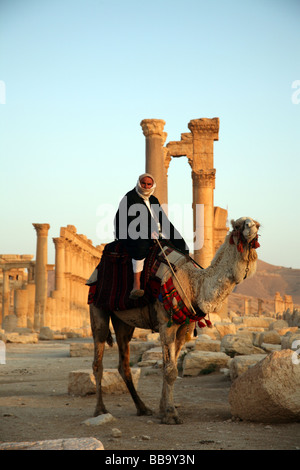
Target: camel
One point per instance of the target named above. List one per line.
(205, 288)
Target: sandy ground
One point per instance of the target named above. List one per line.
(35, 405)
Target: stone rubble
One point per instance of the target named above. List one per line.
(238, 346)
(88, 443)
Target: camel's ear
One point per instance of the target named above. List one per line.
(236, 224)
(232, 223)
(257, 224)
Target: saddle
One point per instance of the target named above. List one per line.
(111, 282)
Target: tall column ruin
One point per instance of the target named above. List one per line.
(153, 130)
(41, 274)
(204, 132)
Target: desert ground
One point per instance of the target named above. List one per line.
(35, 405)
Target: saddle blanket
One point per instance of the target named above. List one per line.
(111, 282)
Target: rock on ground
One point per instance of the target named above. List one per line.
(240, 364)
(269, 391)
(201, 362)
(89, 443)
(82, 382)
(238, 345)
(99, 420)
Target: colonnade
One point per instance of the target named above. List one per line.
(75, 260)
(36, 304)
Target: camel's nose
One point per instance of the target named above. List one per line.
(249, 223)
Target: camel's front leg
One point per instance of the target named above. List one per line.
(100, 329)
(168, 411)
(124, 334)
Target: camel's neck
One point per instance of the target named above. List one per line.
(212, 285)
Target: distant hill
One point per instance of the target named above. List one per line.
(268, 280)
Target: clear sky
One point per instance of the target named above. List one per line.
(78, 76)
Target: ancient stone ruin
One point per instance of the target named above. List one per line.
(28, 301)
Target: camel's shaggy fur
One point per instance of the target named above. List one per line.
(206, 288)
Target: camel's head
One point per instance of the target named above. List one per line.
(245, 232)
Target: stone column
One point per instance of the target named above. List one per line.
(204, 132)
(155, 157)
(21, 307)
(203, 216)
(41, 274)
(5, 294)
(59, 265)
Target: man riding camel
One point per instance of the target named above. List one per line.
(140, 220)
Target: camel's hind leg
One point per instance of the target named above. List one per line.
(100, 329)
(171, 349)
(124, 334)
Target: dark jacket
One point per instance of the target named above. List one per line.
(134, 225)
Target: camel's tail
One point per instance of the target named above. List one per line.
(109, 339)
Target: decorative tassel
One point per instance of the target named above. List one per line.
(201, 324)
(195, 332)
(240, 247)
(208, 323)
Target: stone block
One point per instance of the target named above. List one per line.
(240, 364)
(268, 392)
(257, 322)
(81, 349)
(82, 382)
(234, 345)
(84, 443)
(31, 338)
(225, 328)
(201, 362)
(204, 344)
(278, 325)
(288, 339)
(153, 354)
(270, 337)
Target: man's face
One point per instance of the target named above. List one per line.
(146, 182)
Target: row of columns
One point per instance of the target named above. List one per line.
(66, 307)
(198, 147)
(75, 259)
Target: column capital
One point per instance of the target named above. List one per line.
(59, 242)
(205, 178)
(41, 229)
(154, 127)
(205, 128)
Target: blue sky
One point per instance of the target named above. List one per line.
(80, 75)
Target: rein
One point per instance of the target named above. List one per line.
(241, 242)
(174, 274)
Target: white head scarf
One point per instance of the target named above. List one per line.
(143, 192)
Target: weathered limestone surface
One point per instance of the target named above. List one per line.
(99, 420)
(288, 339)
(81, 349)
(238, 345)
(197, 362)
(269, 391)
(204, 343)
(84, 443)
(240, 364)
(82, 382)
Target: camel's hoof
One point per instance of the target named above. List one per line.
(98, 412)
(171, 420)
(145, 412)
